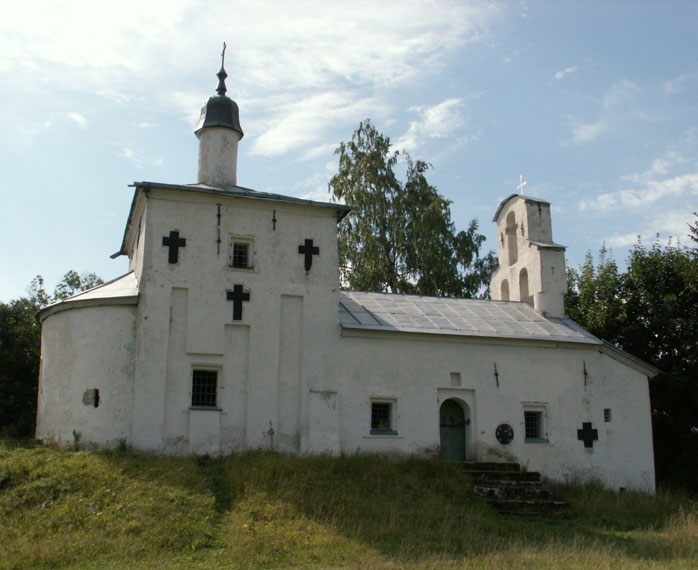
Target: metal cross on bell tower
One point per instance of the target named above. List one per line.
(521, 185)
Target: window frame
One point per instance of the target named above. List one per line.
(391, 430)
(248, 242)
(205, 369)
(541, 411)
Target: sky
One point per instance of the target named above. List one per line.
(594, 102)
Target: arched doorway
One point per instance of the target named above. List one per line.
(452, 428)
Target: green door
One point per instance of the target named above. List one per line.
(452, 431)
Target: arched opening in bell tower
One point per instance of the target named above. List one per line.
(505, 290)
(510, 231)
(523, 287)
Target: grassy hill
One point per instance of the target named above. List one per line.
(82, 509)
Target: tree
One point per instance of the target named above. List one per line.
(401, 238)
(693, 229)
(20, 345)
(593, 295)
(651, 311)
(20, 349)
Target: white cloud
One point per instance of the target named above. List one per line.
(679, 83)
(303, 122)
(669, 180)
(79, 119)
(353, 53)
(649, 192)
(560, 74)
(620, 93)
(667, 226)
(438, 121)
(130, 155)
(514, 55)
(585, 133)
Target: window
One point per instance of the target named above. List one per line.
(607, 415)
(240, 254)
(535, 422)
(382, 418)
(203, 388)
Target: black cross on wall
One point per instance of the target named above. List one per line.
(309, 251)
(587, 435)
(174, 242)
(237, 297)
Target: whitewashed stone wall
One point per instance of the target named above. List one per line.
(288, 376)
(84, 349)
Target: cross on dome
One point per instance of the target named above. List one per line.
(221, 89)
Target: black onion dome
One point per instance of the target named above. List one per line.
(220, 111)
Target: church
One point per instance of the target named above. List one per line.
(231, 331)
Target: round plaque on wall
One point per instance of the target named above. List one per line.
(504, 434)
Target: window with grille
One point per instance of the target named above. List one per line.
(203, 388)
(533, 426)
(240, 255)
(382, 421)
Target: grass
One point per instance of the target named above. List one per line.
(81, 509)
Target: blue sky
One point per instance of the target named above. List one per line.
(595, 103)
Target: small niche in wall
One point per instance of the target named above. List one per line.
(607, 416)
(455, 379)
(91, 397)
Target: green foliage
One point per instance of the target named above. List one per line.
(67, 509)
(20, 345)
(651, 311)
(401, 238)
(20, 350)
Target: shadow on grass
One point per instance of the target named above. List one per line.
(276, 507)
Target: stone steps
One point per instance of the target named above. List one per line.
(509, 490)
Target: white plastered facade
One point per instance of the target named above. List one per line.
(306, 366)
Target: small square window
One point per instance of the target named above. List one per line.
(203, 388)
(535, 422)
(607, 416)
(240, 256)
(382, 420)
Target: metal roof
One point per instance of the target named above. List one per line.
(523, 197)
(233, 192)
(120, 291)
(461, 317)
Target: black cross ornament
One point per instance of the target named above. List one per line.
(309, 251)
(587, 435)
(237, 297)
(174, 242)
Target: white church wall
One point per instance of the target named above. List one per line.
(279, 361)
(136, 238)
(82, 350)
(414, 372)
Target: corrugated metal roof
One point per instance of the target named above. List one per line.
(464, 317)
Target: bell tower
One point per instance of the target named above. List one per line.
(531, 266)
